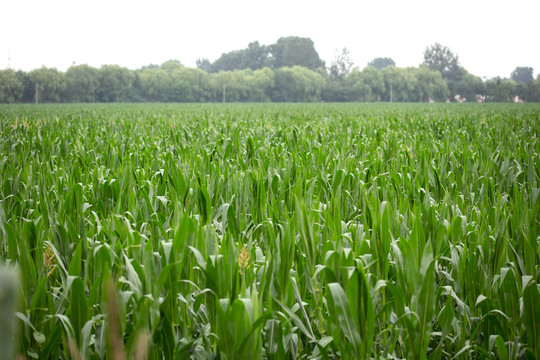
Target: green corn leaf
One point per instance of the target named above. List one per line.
(531, 315)
(426, 302)
(75, 265)
(8, 300)
(340, 311)
(498, 341)
(79, 308)
(297, 321)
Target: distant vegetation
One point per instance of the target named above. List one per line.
(288, 71)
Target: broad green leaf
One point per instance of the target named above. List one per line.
(338, 306)
(78, 308)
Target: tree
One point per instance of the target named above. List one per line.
(288, 51)
(51, 84)
(341, 65)
(204, 64)
(429, 85)
(442, 59)
(527, 92)
(155, 84)
(335, 91)
(382, 62)
(150, 66)
(254, 57)
(260, 84)
(536, 89)
(297, 84)
(500, 90)
(171, 65)
(190, 85)
(11, 88)
(29, 88)
(115, 83)
(399, 84)
(366, 85)
(522, 75)
(470, 86)
(291, 51)
(373, 81)
(82, 82)
(232, 60)
(230, 86)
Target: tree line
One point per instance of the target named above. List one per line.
(288, 71)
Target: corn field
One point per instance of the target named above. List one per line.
(251, 231)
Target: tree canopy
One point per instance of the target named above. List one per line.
(289, 70)
(82, 82)
(295, 51)
(522, 75)
(50, 82)
(382, 62)
(286, 52)
(442, 59)
(11, 88)
(341, 65)
(115, 83)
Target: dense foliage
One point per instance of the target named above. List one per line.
(273, 231)
(172, 82)
(286, 52)
(288, 71)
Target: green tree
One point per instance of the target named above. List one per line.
(341, 65)
(500, 90)
(260, 84)
(536, 90)
(291, 51)
(354, 87)
(297, 84)
(82, 82)
(254, 57)
(171, 65)
(115, 83)
(528, 91)
(204, 64)
(286, 52)
(382, 62)
(11, 88)
(374, 80)
(51, 84)
(230, 86)
(336, 90)
(155, 84)
(430, 85)
(29, 88)
(522, 75)
(400, 85)
(190, 85)
(470, 86)
(366, 85)
(150, 66)
(228, 61)
(442, 59)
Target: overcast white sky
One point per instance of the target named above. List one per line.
(490, 37)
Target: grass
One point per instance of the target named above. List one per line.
(273, 231)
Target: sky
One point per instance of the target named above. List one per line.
(491, 38)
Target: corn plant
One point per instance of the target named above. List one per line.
(270, 231)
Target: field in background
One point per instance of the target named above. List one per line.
(278, 231)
